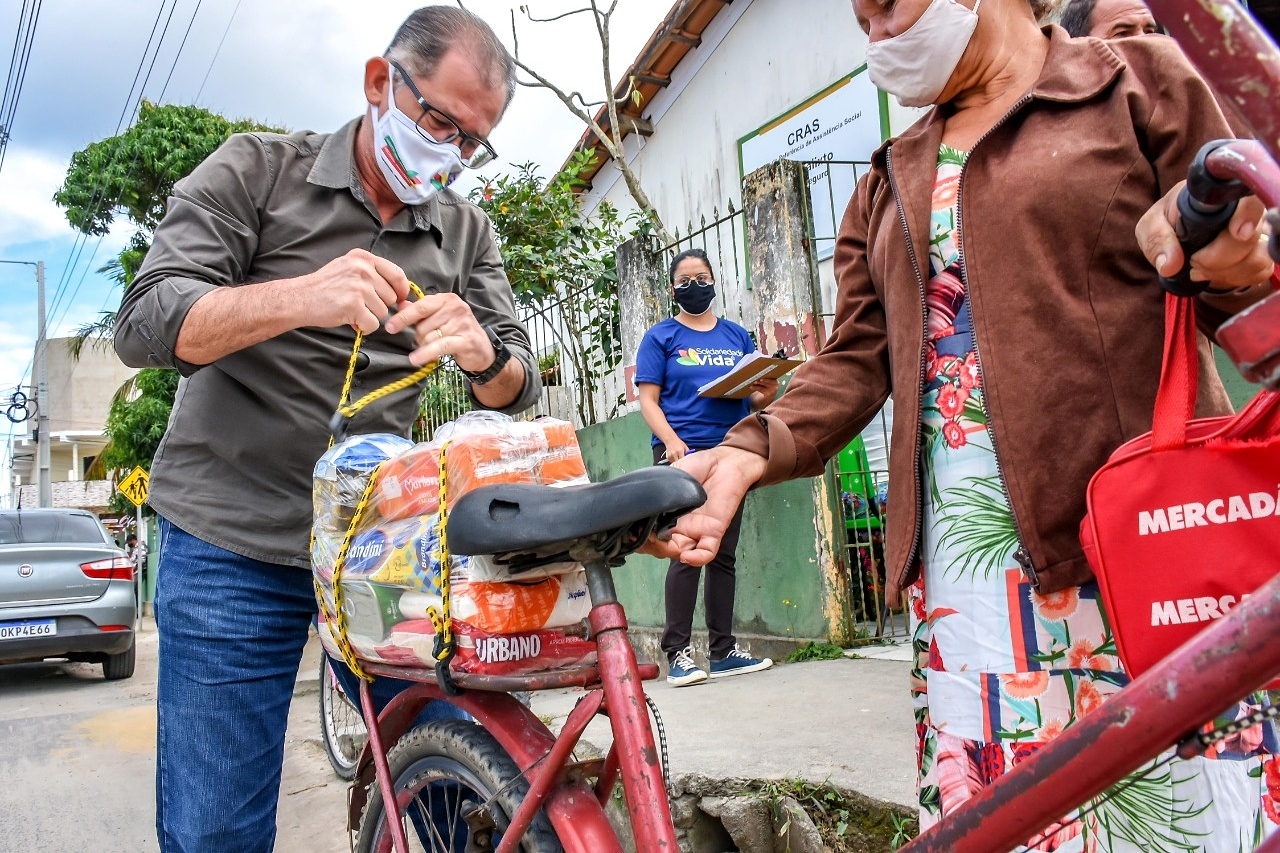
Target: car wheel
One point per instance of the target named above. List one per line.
(116, 667)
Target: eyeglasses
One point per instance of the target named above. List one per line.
(700, 278)
(441, 127)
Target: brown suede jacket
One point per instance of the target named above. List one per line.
(1067, 313)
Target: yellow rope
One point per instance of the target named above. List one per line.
(442, 622)
(338, 620)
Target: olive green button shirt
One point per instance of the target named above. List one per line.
(234, 467)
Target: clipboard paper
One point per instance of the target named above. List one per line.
(736, 384)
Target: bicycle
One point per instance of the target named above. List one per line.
(506, 782)
(1237, 655)
(341, 725)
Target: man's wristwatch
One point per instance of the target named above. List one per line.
(501, 356)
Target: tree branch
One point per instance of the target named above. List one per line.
(612, 141)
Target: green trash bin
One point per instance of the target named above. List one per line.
(857, 487)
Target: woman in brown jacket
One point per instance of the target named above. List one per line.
(989, 277)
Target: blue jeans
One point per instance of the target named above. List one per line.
(231, 635)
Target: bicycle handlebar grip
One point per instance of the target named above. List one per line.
(1205, 206)
(1198, 225)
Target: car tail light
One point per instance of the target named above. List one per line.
(113, 628)
(110, 569)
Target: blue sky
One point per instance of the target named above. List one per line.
(297, 65)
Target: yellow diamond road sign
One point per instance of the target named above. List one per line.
(134, 487)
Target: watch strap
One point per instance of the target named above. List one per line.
(501, 356)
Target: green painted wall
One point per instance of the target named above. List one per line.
(1239, 389)
(780, 590)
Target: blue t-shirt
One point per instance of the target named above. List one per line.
(680, 360)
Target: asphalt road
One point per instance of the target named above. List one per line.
(78, 759)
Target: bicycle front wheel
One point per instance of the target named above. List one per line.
(443, 769)
(341, 724)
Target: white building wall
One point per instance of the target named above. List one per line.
(759, 59)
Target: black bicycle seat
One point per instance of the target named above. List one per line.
(535, 525)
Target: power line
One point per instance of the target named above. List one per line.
(17, 72)
(69, 270)
(217, 51)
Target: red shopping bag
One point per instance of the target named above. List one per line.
(1184, 522)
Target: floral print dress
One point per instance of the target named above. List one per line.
(1000, 670)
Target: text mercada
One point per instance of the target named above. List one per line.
(1229, 510)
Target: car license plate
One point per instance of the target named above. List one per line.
(22, 630)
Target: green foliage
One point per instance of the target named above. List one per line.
(444, 398)
(135, 425)
(562, 266)
(847, 822)
(816, 651)
(134, 173)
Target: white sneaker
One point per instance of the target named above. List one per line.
(683, 671)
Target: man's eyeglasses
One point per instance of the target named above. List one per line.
(438, 126)
(700, 278)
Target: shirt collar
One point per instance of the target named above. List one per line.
(335, 167)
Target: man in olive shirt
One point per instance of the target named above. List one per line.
(272, 253)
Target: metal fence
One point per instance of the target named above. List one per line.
(724, 241)
(574, 336)
(863, 490)
(831, 184)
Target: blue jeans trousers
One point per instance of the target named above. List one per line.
(231, 632)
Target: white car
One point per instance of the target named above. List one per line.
(66, 591)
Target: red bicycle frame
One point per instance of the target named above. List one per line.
(556, 785)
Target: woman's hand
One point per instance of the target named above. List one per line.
(726, 473)
(763, 392)
(1236, 258)
(676, 450)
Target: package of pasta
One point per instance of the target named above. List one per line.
(509, 608)
(412, 644)
(486, 448)
(339, 480)
(409, 484)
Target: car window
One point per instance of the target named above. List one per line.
(22, 528)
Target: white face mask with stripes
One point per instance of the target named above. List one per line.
(414, 166)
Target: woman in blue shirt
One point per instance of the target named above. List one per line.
(676, 357)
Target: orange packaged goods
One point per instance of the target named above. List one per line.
(486, 448)
(409, 484)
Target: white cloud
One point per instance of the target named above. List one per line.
(27, 184)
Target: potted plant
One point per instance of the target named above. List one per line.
(549, 367)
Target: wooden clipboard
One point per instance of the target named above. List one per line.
(736, 384)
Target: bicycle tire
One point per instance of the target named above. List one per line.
(341, 724)
(444, 754)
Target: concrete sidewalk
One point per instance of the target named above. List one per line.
(847, 722)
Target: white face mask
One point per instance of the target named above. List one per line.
(916, 65)
(415, 167)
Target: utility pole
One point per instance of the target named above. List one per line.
(44, 442)
(43, 438)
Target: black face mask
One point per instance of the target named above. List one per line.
(695, 297)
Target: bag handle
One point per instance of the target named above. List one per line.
(1180, 384)
(1179, 376)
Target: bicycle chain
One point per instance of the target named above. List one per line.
(662, 742)
(1197, 743)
